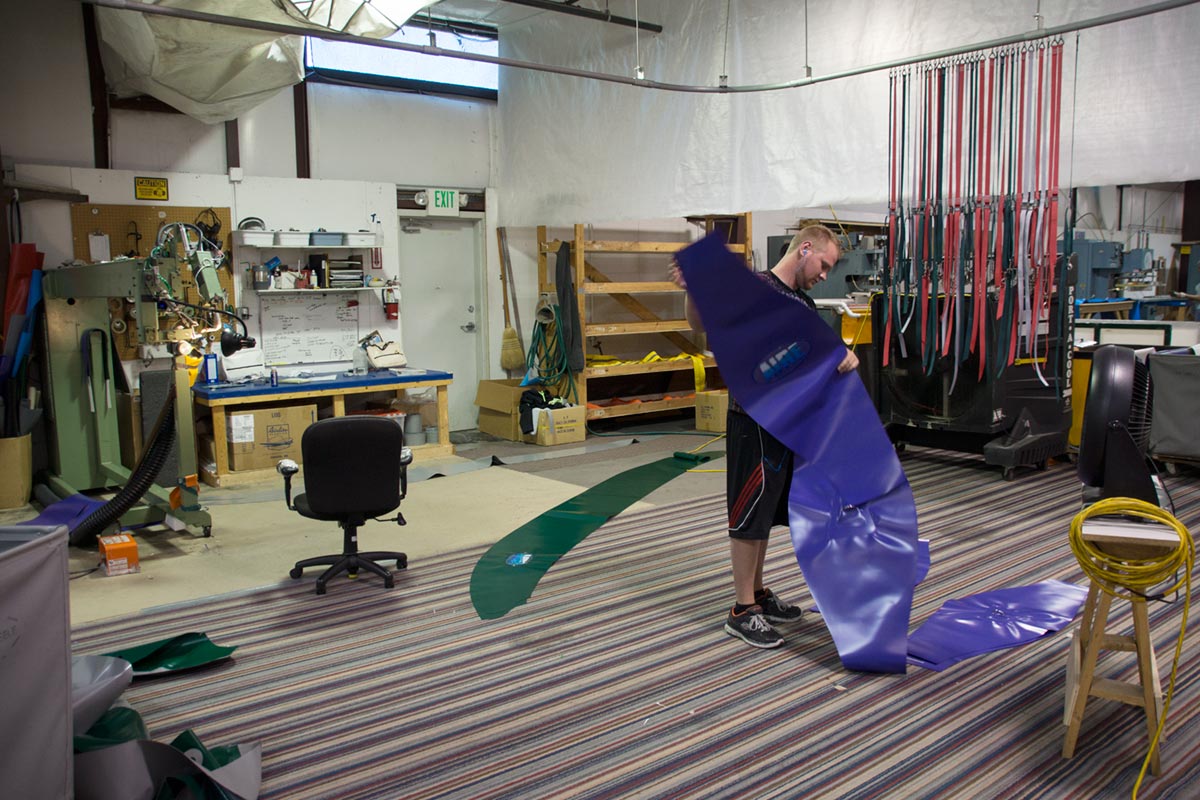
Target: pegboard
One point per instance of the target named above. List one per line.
(119, 223)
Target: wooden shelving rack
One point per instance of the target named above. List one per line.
(590, 280)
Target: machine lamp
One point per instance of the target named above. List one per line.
(232, 342)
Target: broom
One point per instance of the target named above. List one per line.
(512, 353)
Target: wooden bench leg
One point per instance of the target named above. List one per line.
(1081, 670)
(1094, 627)
(1148, 673)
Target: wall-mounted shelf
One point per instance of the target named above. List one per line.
(310, 246)
(320, 291)
(269, 239)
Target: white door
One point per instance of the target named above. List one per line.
(442, 317)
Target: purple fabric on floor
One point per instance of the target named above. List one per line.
(981, 623)
(852, 516)
(70, 511)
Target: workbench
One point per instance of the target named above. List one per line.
(224, 398)
(1118, 308)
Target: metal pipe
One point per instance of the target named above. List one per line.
(335, 36)
(602, 16)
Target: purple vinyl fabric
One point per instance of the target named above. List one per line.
(70, 511)
(852, 517)
(981, 623)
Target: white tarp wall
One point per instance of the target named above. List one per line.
(577, 150)
(216, 73)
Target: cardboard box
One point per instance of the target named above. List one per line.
(711, 408)
(119, 554)
(499, 408)
(259, 439)
(560, 426)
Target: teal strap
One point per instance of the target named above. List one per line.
(506, 575)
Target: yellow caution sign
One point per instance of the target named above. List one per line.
(150, 189)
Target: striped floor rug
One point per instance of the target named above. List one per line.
(616, 681)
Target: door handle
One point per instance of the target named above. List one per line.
(469, 327)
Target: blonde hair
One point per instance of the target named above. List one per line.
(816, 233)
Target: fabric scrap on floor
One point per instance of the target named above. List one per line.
(182, 652)
(989, 621)
(115, 759)
(506, 575)
(70, 511)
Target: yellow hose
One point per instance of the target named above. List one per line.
(1135, 577)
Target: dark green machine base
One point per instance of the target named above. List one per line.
(153, 512)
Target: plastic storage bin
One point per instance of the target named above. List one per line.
(323, 239)
(291, 238)
(360, 239)
(254, 238)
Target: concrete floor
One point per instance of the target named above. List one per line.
(453, 503)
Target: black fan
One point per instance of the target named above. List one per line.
(1116, 428)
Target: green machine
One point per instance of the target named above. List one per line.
(83, 376)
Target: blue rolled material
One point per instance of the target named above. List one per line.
(852, 516)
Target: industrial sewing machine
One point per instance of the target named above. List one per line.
(162, 306)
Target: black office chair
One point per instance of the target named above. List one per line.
(355, 469)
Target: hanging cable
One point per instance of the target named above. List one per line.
(723, 79)
(639, 73)
(807, 67)
(972, 236)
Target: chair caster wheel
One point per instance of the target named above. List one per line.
(401, 563)
(296, 572)
(388, 583)
(320, 588)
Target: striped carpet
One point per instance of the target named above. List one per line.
(616, 680)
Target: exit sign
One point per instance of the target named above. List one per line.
(441, 202)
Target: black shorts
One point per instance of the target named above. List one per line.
(758, 476)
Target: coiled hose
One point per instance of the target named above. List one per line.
(1136, 577)
(547, 355)
(140, 480)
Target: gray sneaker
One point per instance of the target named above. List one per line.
(752, 628)
(776, 610)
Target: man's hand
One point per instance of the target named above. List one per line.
(850, 362)
(677, 276)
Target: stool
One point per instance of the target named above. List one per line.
(1119, 539)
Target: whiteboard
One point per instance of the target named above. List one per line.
(304, 328)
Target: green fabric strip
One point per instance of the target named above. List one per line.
(506, 575)
(186, 651)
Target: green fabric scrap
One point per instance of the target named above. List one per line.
(506, 575)
(118, 724)
(192, 787)
(211, 758)
(186, 651)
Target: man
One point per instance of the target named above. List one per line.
(1195, 297)
(759, 467)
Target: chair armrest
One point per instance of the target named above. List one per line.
(287, 468)
(405, 459)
